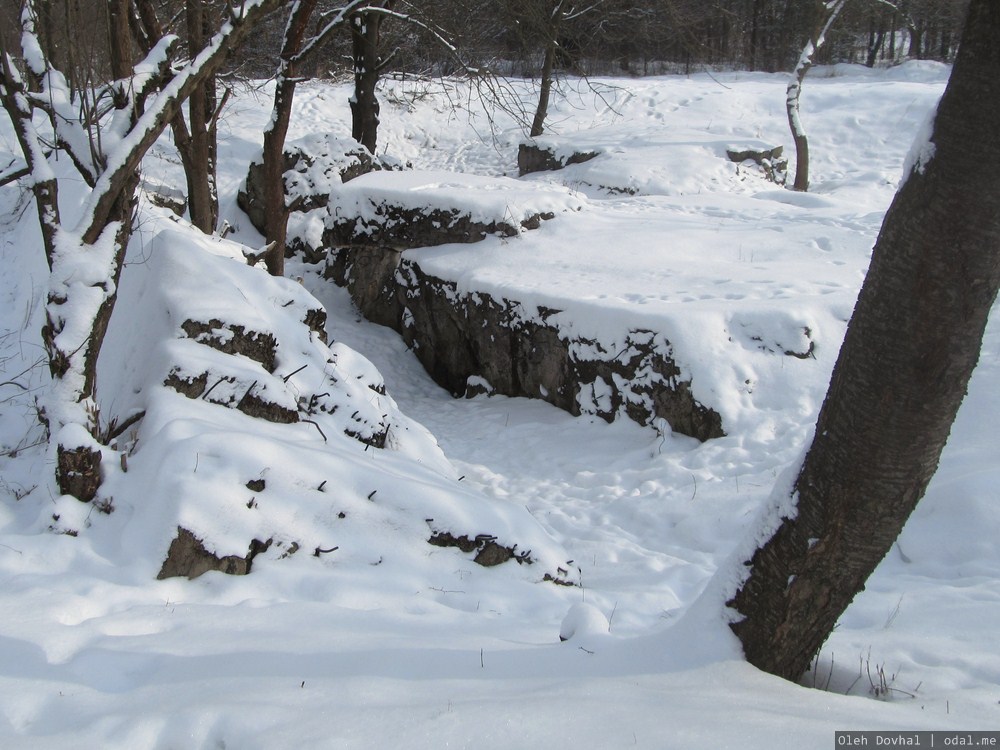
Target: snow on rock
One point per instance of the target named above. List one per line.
(405, 209)
(385, 640)
(599, 162)
(334, 471)
(316, 165)
(535, 157)
(523, 350)
(339, 195)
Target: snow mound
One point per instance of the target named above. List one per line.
(583, 620)
(635, 165)
(339, 477)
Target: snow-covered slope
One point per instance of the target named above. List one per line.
(391, 641)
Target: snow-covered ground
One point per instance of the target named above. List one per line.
(389, 641)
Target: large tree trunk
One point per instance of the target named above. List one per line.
(910, 350)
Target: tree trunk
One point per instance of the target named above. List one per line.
(78, 458)
(364, 103)
(832, 9)
(902, 373)
(119, 42)
(544, 91)
(892, 35)
(754, 41)
(275, 211)
(77, 316)
(198, 152)
(548, 70)
(876, 38)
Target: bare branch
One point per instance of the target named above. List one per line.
(10, 174)
(126, 158)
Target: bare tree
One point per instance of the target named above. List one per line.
(829, 10)
(85, 260)
(275, 211)
(196, 137)
(364, 20)
(296, 45)
(910, 349)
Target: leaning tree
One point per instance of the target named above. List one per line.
(903, 369)
(105, 143)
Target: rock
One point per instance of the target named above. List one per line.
(188, 557)
(232, 391)
(255, 406)
(234, 339)
(314, 165)
(520, 352)
(79, 472)
(191, 386)
(164, 196)
(488, 552)
(534, 158)
(403, 210)
(768, 158)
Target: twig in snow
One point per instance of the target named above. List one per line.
(293, 372)
(323, 434)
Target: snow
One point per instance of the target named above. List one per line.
(922, 150)
(485, 199)
(388, 640)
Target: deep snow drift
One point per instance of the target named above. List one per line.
(388, 640)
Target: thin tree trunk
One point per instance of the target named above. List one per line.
(548, 70)
(119, 41)
(755, 34)
(198, 152)
(364, 103)
(275, 211)
(910, 350)
(876, 38)
(832, 9)
(544, 91)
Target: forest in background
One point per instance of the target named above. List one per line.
(609, 37)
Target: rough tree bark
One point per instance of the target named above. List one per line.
(196, 144)
(902, 373)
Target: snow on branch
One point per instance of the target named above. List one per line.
(19, 109)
